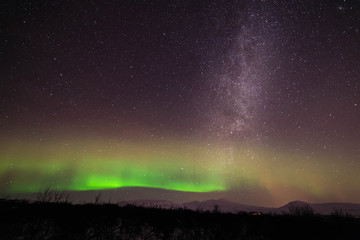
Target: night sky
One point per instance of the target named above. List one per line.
(254, 101)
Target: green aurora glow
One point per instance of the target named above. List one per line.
(133, 167)
(28, 167)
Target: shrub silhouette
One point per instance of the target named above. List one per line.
(45, 195)
(301, 209)
(49, 195)
(339, 213)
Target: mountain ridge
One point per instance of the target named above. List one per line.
(225, 205)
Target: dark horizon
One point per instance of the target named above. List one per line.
(141, 194)
(108, 221)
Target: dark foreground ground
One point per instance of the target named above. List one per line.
(23, 220)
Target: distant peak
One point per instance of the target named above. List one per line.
(219, 200)
(297, 202)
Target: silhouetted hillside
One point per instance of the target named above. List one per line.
(23, 220)
(227, 206)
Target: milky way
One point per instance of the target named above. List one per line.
(254, 101)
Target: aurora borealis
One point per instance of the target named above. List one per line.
(254, 101)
